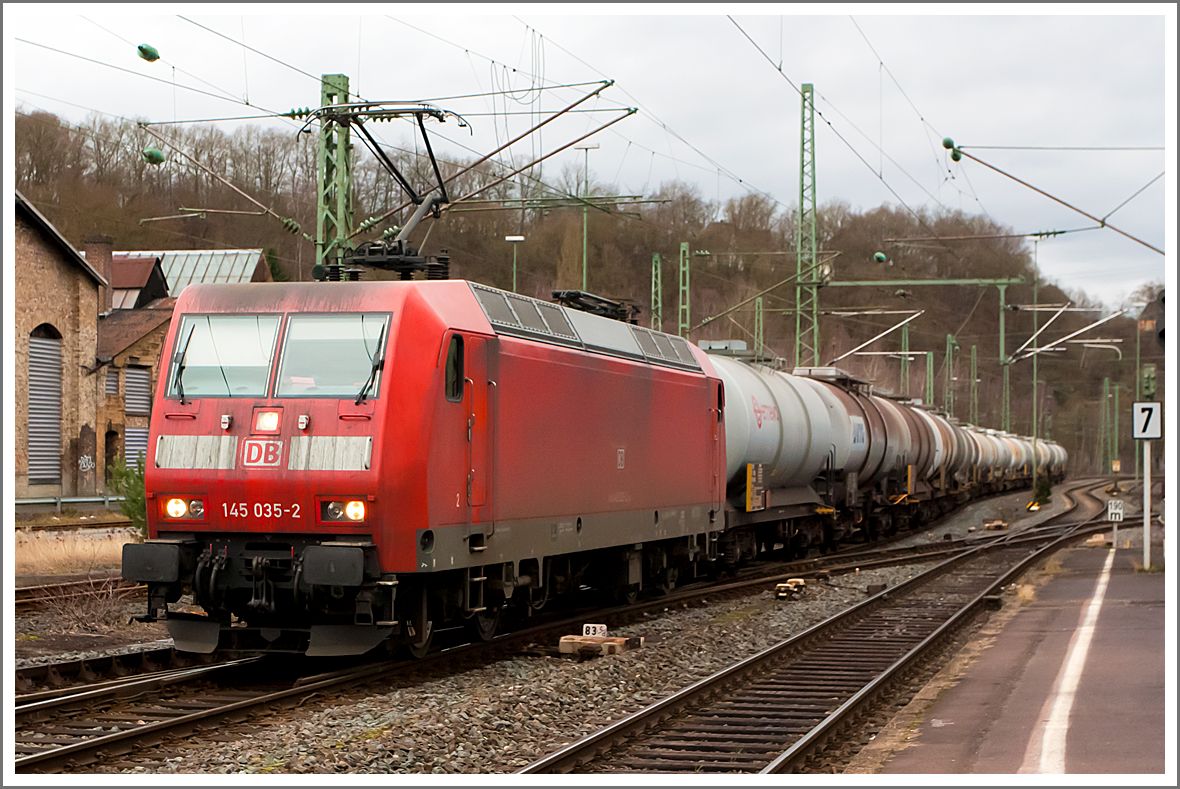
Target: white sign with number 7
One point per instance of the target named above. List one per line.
(1147, 421)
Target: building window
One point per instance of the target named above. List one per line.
(112, 381)
(135, 444)
(455, 370)
(44, 415)
(137, 391)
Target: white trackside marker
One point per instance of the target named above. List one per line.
(1046, 749)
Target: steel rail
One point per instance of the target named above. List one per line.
(580, 752)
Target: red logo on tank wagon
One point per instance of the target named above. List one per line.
(259, 452)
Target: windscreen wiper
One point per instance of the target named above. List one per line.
(180, 364)
(378, 363)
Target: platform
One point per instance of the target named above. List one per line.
(1028, 696)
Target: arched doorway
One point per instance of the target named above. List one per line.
(112, 452)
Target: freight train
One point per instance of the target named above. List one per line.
(337, 467)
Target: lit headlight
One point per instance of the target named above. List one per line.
(184, 509)
(176, 508)
(266, 422)
(350, 510)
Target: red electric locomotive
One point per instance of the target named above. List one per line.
(336, 465)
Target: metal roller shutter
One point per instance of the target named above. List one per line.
(44, 411)
(137, 391)
(135, 442)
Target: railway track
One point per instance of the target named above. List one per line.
(776, 711)
(66, 728)
(65, 591)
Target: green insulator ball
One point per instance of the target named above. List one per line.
(948, 143)
(148, 52)
(956, 155)
(880, 257)
(153, 155)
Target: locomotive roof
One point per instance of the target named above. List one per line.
(500, 312)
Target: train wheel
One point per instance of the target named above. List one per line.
(627, 595)
(483, 626)
(420, 648)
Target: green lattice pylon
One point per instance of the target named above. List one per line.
(333, 176)
(657, 294)
(806, 253)
(683, 312)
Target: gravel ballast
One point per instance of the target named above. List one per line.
(502, 716)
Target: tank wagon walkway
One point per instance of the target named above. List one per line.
(1011, 710)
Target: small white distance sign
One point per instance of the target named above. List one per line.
(1147, 421)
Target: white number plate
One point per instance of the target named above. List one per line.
(261, 510)
(594, 630)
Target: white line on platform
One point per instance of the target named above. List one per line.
(1046, 753)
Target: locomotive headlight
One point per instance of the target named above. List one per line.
(266, 422)
(196, 508)
(350, 510)
(176, 508)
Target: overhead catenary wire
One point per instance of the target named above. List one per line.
(319, 80)
(651, 115)
(166, 61)
(841, 137)
(1056, 199)
(1135, 194)
(645, 112)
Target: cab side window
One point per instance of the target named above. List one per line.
(454, 384)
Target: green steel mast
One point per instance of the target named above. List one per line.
(806, 254)
(657, 294)
(683, 312)
(334, 176)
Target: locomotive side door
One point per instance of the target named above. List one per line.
(479, 429)
(716, 460)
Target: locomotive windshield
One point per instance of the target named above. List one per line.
(223, 355)
(332, 356)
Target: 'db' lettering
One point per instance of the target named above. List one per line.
(256, 452)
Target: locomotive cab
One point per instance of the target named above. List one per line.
(261, 475)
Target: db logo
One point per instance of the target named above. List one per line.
(260, 452)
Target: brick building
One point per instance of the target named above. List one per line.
(89, 329)
(129, 345)
(59, 296)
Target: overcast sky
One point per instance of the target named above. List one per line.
(714, 110)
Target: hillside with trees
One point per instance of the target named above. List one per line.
(93, 178)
